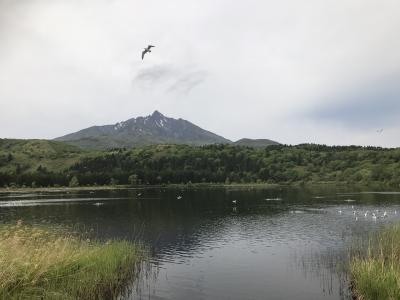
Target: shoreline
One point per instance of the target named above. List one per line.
(375, 185)
(136, 187)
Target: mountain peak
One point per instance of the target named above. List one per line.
(157, 114)
(152, 129)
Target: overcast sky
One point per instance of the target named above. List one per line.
(292, 71)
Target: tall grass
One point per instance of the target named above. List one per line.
(375, 270)
(43, 263)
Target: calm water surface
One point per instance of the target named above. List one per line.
(280, 243)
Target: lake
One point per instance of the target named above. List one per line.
(223, 243)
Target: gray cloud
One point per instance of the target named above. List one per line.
(186, 82)
(172, 79)
(156, 74)
(375, 103)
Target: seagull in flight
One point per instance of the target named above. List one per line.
(380, 130)
(148, 49)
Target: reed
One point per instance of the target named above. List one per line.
(43, 263)
(375, 270)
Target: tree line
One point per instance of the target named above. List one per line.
(163, 164)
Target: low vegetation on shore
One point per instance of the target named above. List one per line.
(42, 263)
(375, 268)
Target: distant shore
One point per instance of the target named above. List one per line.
(375, 185)
(135, 187)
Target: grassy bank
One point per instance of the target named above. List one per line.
(375, 270)
(43, 263)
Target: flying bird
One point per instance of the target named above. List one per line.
(148, 49)
(380, 130)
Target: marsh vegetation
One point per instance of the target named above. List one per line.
(375, 267)
(39, 262)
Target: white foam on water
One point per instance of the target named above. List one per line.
(19, 203)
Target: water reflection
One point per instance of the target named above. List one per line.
(279, 243)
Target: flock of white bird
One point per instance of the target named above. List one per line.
(374, 214)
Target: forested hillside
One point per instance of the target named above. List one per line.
(23, 162)
(160, 164)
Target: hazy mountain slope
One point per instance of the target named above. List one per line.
(256, 143)
(153, 129)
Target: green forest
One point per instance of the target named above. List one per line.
(40, 163)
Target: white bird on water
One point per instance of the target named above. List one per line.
(384, 214)
(234, 201)
(374, 216)
(179, 197)
(340, 212)
(366, 213)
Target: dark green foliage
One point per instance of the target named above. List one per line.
(163, 164)
(42, 162)
(74, 182)
(225, 163)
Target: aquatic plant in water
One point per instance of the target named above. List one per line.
(375, 270)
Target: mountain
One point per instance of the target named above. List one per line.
(255, 143)
(153, 129)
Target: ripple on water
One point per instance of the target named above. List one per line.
(60, 201)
